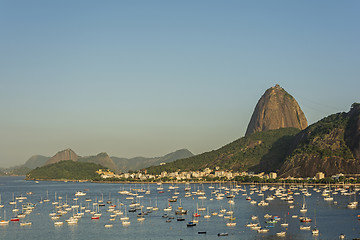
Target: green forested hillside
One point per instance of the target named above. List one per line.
(329, 127)
(263, 151)
(328, 146)
(69, 170)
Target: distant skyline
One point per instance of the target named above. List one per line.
(145, 78)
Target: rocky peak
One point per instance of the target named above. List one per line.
(276, 109)
(63, 155)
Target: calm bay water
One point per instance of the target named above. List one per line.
(331, 219)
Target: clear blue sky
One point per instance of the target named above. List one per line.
(145, 78)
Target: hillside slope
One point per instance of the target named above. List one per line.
(330, 146)
(262, 151)
(69, 170)
(137, 163)
(102, 159)
(35, 161)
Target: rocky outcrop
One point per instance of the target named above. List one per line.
(276, 109)
(64, 155)
(331, 146)
(113, 163)
(325, 153)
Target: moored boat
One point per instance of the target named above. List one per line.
(191, 224)
(305, 219)
(222, 234)
(281, 234)
(315, 231)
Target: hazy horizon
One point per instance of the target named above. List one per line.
(147, 78)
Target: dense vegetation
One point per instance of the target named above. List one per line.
(262, 151)
(328, 146)
(69, 170)
(326, 138)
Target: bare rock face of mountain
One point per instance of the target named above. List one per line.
(64, 155)
(276, 109)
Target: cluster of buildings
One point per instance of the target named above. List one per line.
(207, 173)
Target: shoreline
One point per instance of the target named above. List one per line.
(190, 182)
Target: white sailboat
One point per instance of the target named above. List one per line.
(285, 224)
(353, 204)
(47, 197)
(125, 217)
(1, 206)
(13, 202)
(207, 215)
(231, 222)
(303, 207)
(4, 221)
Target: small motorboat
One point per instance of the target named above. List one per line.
(315, 232)
(306, 219)
(222, 234)
(191, 224)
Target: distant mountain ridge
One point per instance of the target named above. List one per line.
(113, 163)
(36, 161)
(137, 163)
(102, 159)
(118, 164)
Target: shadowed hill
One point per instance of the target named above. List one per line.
(35, 161)
(102, 159)
(137, 163)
